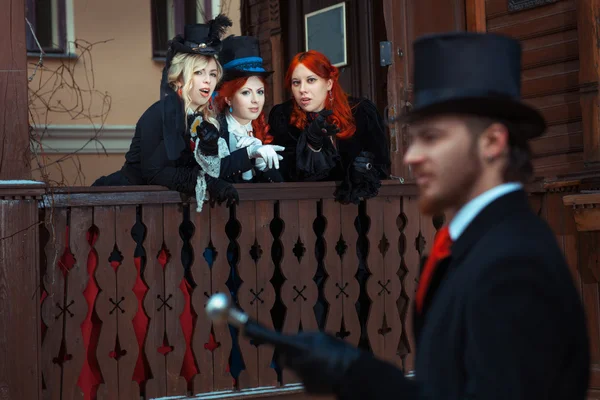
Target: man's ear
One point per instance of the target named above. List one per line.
(494, 141)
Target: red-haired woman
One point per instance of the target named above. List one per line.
(328, 135)
(241, 98)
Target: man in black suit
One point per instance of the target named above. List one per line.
(496, 314)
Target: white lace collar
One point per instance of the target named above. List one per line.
(236, 128)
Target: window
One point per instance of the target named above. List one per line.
(170, 16)
(47, 18)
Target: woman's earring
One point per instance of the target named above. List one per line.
(330, 96)
(210, 107)
(180, 91)
(230, 109)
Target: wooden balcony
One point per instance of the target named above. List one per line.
(121, 271)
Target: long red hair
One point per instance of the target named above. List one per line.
(320, 65)
(229, 89)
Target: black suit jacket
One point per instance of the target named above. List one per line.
(147, 162)
(502, 320)
(238, 162)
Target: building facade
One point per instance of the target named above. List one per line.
(101, 69)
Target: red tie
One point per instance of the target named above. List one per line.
(441, 250)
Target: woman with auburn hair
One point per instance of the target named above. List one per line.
(241, 98)
(328, 135)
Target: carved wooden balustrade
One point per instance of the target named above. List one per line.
(123, 271)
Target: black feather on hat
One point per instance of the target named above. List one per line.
(202, 39)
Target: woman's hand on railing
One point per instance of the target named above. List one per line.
(221, 191)
(268, 153)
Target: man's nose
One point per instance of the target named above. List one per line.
(414, 155)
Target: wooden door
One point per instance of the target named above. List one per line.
(406, 20)
(363, 75)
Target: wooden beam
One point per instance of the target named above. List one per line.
(14, 132)
(20, 321)
(586, 210)
(588, 29)
(476, 20)
(277, 62)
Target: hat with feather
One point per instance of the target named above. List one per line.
(202, 39)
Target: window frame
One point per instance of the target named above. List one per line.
(61, 47)
(179, 23)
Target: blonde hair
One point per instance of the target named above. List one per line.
(182, 69)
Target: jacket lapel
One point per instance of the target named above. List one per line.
(481, 224)
(223, 128)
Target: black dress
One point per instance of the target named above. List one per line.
(333, 163)
(148, 163)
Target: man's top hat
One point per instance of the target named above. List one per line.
(471, 73)
(240, 57)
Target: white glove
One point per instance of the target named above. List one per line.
(267, 152)
(260, 164)
(248, 141)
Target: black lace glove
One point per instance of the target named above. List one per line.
(319, 129)
(209, 138)
(319, 360)
(221, 191)
(362, 166)
(362, 181)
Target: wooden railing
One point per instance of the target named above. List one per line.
(122, 276)
(125, 273)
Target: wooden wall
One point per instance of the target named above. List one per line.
(552, 81)
(581, 250)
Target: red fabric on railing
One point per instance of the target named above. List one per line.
(90, 376)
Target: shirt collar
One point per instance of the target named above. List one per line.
(469, 211)
(234, 126)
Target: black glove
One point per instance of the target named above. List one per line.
(221, 191)
(362, 166)
(319, 360)
(209, 138)
(319, 129)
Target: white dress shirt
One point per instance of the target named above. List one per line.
(469, 211)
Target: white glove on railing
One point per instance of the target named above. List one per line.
(260, 164)
(268, 153)
(247, 141)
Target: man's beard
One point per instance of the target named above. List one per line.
(454, 196)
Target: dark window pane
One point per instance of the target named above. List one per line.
(162, 15)
(43, 22)
(48, 20)
(194, 11)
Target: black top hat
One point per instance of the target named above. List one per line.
(471, 73)
(240, 57)
(202, 39)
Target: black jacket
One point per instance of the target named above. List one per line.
(147, 163)
(502, 320)
(331, 164)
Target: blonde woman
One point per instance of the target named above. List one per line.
(176, 141)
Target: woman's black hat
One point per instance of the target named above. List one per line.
(240, 57)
